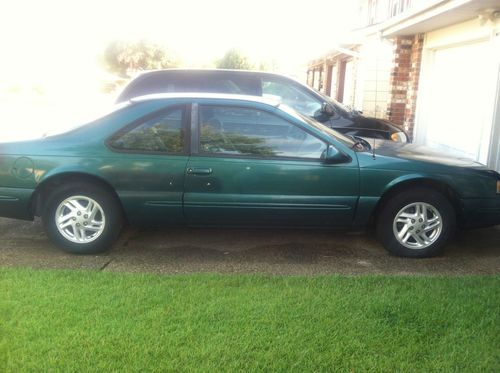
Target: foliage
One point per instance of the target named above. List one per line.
(217, 141)
(79, 321)
(125, 57)
(233, 59)
(158, 138)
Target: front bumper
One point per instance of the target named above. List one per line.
(480, 212)
(15, 203)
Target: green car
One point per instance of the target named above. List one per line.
(225, 160)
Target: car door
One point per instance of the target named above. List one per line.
(148, 166)
(253, 167)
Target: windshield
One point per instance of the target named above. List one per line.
(319, 126)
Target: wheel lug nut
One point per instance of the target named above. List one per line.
(77, 224)
(418, 231)
(85, 216)
(78, 213)
(413, 220)
(420, 220)
(411, 228)
(74, 219)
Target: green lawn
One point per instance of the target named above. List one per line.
(74, 321)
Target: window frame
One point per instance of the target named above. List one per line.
(185, 127)
(199, 152)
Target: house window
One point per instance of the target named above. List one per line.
(381, 10)
(398, 6)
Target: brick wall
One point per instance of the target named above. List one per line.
(404, 80)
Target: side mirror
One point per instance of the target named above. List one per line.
(327, 109)
(325, 112)
(334, 156)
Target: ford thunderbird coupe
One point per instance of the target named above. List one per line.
(228, 160)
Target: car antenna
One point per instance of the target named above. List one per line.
(373, 148)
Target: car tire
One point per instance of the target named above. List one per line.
(416, 223)
(82, 218)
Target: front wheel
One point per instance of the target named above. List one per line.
(416, 223)
(82, 218)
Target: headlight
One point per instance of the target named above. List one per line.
(399, 137)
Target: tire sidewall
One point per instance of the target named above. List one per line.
(399, 201)
(108, 204)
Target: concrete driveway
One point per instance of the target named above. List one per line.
(281, 251)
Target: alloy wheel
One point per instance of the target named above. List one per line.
(417, 225)
(80, 219)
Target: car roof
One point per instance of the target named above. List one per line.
(209, 70)
(217, 96)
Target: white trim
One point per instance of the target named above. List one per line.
(418, 15)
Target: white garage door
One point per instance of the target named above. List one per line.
(459, 100)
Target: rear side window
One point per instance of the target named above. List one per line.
(163, 133)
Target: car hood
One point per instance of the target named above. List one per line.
(405, 154)
(377, 123)
(360, 121)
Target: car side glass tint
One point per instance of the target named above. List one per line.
(162, 133)
(291, 95)
(250, 132)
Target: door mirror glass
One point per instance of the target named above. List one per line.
(333, 155)
(327, 109)
(325, 112)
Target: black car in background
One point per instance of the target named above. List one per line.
(292, 93)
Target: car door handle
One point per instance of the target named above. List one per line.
(199, 171)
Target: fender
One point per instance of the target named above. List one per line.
(42, 176)
(408, 178)
(368, 205)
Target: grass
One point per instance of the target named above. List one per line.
(74, 321)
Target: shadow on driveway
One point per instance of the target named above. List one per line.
(301, 252)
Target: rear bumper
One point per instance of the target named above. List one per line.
(481, 212)
(15, 203)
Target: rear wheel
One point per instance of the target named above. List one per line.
(82, 218)
(416, 223)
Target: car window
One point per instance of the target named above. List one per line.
(192, 82)
(162, 133)
(241, 131)
(292, 95)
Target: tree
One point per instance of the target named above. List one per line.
(233, 59)
(125, 57)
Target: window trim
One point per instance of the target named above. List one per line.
(185, 126)
(198, 152)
